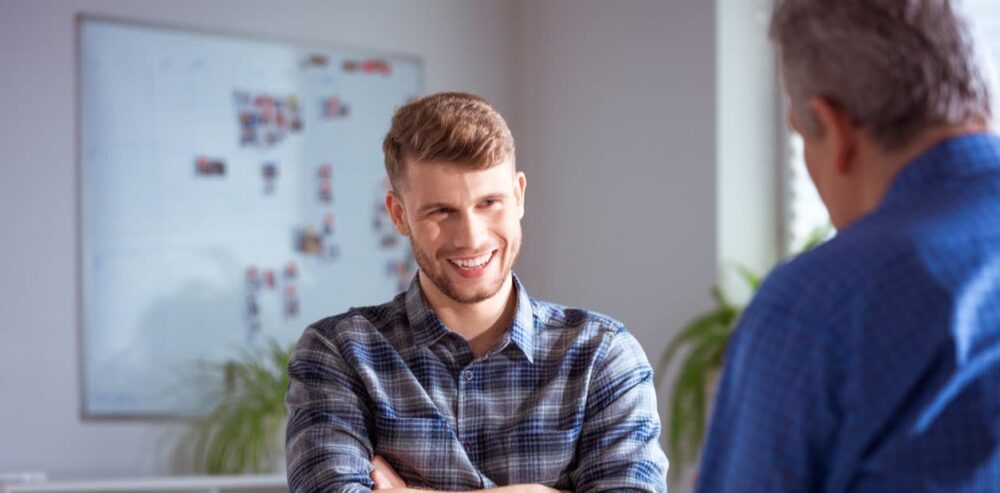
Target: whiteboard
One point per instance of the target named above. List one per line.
(231, 193)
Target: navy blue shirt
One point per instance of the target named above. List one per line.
(872, 363)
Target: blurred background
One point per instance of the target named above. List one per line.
(651, 133)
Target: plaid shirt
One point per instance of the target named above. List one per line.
(565, 399)
(872, 363)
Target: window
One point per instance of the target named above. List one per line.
(805, 212)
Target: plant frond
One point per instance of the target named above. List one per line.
(716, 321)
(752, 278)
(818, 235)
(238, 434)
(690, 401)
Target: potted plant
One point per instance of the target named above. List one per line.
(702, 343)
(243, 431)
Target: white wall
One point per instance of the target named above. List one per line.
(613, 106)
(617, 138)
(465, 45)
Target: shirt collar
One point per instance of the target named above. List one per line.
(522, 331)
(426, 328)
(957, 156)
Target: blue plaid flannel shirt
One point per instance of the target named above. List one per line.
(872, 363)
(565, 399)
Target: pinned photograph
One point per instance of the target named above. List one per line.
(204, 166)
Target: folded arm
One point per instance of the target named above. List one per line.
(386, 479)
(327, 439)
(618, 449)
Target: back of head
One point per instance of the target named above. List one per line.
(897, 67)
(448, 127)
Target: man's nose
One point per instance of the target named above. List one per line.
(471, 232)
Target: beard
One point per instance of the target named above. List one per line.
(448, 287)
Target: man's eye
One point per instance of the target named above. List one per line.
(490, 202)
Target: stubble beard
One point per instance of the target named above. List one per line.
(445, 284)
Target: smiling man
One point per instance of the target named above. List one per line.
(464, 382)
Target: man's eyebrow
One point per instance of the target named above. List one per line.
(434, 205)
(493, 196)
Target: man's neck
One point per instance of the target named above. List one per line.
(883, 167)
(482, 323)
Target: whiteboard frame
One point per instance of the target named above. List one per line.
(84, 17)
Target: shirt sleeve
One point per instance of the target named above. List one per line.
(774, 417)
(327, 441)
(618, 449)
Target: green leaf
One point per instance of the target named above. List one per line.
(689, 403)
(714, 322)
(818, 235)
(700, 346)
(752, 278)
(720, 297)
(238, 435)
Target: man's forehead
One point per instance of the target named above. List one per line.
(411, 165)
(420, 178)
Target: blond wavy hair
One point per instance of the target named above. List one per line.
(452, 127)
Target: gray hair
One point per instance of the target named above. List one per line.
(896, 67)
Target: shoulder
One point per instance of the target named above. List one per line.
(554, 322)
(581, 333)
(820, 305)
(820, 283)
(560, 318)
(359, 327)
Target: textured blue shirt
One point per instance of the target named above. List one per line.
(872, 363)
(565, 399)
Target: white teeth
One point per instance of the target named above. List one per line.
(473, 263)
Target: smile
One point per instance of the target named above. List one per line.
(473, 263)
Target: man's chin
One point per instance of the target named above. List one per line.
(471, 293)
(473, 296)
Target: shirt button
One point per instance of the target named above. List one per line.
(468, 375)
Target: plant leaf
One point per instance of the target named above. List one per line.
(238, 434)
(752, 278)
(818, 235)
(717, 321)
(690, 401)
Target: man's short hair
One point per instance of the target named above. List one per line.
(449, 126)
(896, 67)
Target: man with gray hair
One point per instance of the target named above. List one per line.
(872, 362)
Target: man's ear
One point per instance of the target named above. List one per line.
(397, 211)
(519, 184)
(839, 135)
